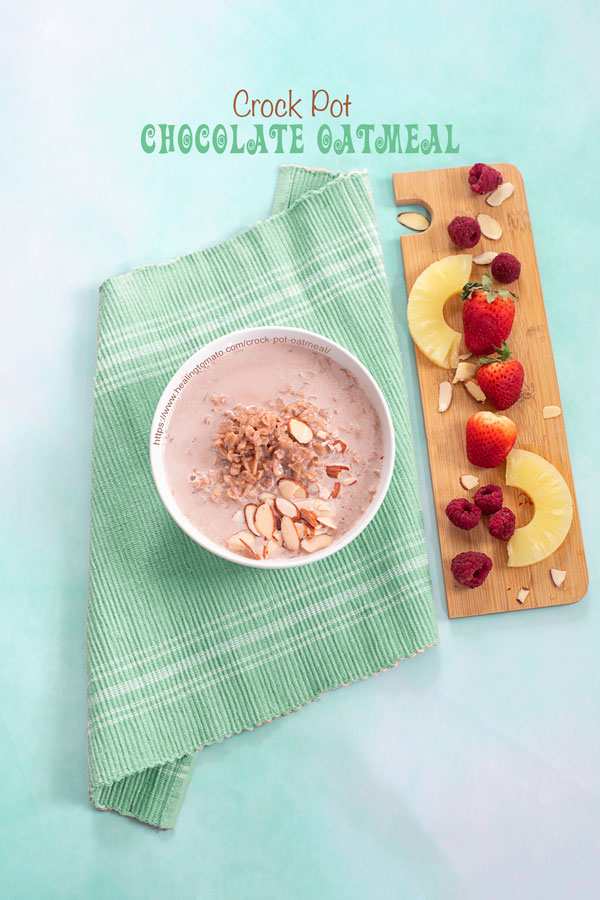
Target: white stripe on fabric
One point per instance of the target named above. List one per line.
(204, 330)
(262, 302)
(251, 637)
(178, 692)
(117, 380)
(233, 620)
(150, 325)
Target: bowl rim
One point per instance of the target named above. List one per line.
(157, 454)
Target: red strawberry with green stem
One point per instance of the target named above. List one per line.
(501, 378)
(487, 315)
(490, 438)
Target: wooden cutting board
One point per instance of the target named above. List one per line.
(445, 193)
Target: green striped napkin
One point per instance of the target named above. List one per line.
(185, 648)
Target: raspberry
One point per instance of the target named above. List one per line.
(463, 514)
(464, 231)
(502, 524)
(484, 179)
(471, 568)
(488, 498)
(506, 268)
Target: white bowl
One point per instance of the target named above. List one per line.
(160, 426)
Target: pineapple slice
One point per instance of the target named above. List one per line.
(553, 507)
(434, 286)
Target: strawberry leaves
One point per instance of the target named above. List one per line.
(503, 355)
(486, 285)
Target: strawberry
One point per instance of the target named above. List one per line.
(487, 315)
(501, 379)
(490, 438)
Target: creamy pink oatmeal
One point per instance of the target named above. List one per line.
(273, 449)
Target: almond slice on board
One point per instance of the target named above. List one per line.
(558, 576)
(413, 220)
(300, 431)
(474, 390)
(291, 489)
(319, 542)
(264, 520)
(291, 539)
(287, 508)
(464, 370)
(249, 514)
(490, 228)
(484, 259)
(551, 412)
(444, 396)
(501, 194)
(468, 482)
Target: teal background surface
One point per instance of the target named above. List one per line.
(471, 771)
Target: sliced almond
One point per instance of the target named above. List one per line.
(502, 193)
(266, 495)
(484, 259)
(465, 356)
(234, 543)
(475, 391)
(291, 489)
(264, 520)
(319, 542)
(551, 412)
(320, 506)
(273, 547)
(347, 482)
(469, 482)
(464, 370)
(339, 446)
(558, 576)
(300, 431)
(249, 515)
(522, 595)
(444, 396)
(327, 522)
(310, 517)
(335, 471)
(303, 529)
(309, 503)
(414, 221)
(287, 508)
(336, 490)
(490, 228)
(291, 539)
(250, 550)
(238, 515)
(325, 492)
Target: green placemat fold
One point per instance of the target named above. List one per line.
(184, 648)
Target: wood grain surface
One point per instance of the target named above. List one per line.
(445, 193)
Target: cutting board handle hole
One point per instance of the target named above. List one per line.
(413, 217)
